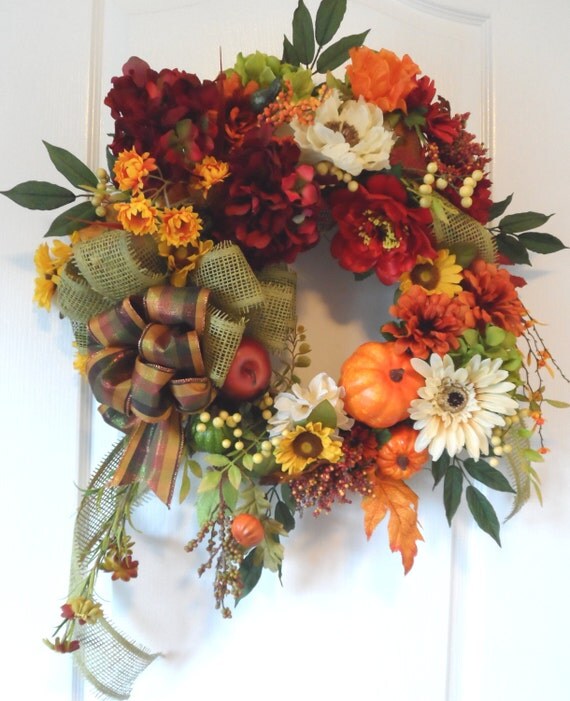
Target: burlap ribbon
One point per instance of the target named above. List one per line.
(147, 371)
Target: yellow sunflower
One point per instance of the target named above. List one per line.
(441, 275)
(305, 444)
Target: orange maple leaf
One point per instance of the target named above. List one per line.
(396, 497)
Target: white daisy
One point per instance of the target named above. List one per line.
(296, 405)
(349, 133)
(458, 409)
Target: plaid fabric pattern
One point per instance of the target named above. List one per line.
(146, 369)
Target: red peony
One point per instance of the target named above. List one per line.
(378, 229)
(172, 114)
(271, 203)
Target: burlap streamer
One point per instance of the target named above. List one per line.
(106, 658)
(117, 264)
(227, 274)
(75, 297)
(460, 228)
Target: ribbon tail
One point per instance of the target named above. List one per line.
(153, 454)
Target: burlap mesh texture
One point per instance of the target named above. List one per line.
(75, 297)
(227, 274)
(461, 228)
(273, 323)
(107, 659)
(221, 339)
(118, 264)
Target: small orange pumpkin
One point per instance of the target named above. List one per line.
(247, 530)
(398, 457)
(379, 384)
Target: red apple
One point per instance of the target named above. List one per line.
(250, 371)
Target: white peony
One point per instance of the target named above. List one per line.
(458, 409)
(296, 405)
(349, 133)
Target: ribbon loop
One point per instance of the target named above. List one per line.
(173, 348)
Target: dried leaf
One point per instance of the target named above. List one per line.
(396, 497)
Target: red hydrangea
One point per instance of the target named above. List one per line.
(171, 114)
(379, 230)
(271, 203)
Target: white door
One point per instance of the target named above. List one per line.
(470, 621)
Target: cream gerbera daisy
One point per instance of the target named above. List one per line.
(305, 444)
(441, 275)
(458, 409)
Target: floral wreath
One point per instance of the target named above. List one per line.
(176, 280)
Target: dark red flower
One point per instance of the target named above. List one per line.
(439, 124)
(272, 203)
(378, 230)
(171, 114)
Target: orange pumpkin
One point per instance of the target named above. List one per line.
(247, 530)
(379, 384)
(398, 457)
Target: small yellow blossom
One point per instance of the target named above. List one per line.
(139, 215)
(305, 444)
(438, 276)
(48, 266)
(180, 227)
(132, 168)
(85, 610)
(209, 172)
(183, 259)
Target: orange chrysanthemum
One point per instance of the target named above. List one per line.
(139, 215)
(209, 172)
(493, 297)
(131, 168)
(381, 77)
(429, 323)
(180, 227)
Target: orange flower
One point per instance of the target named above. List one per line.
(131, 169)
(493, 297)
(381, 77)
(209, 172)
(429, 323)
(138, 215)
(180, 227)
(183, 259)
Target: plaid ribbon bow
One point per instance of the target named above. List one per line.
(147, 371)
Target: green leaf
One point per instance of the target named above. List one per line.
(206, 504)
(557, 403)
(234, 476)
(541, 242)
(217, 460)
(498, 208)
(439, 468)
(336, 54)
(289, 53)
(110, 158)
(230, 494)
(195, 468)
(71, 167)
(284, 516)
(523, 221)
(533, 455)
(74, 218)
(210, 481)
(363, 276)
(303, 36)
(452, 488)
(328, 19)
(184, 487)
(483, 512)
(38, 194)
(249, 574)
(513, 249)
(287, 496)
(484, 473)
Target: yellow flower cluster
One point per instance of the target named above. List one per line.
(48, 266)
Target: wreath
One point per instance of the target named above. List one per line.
(173, 268)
